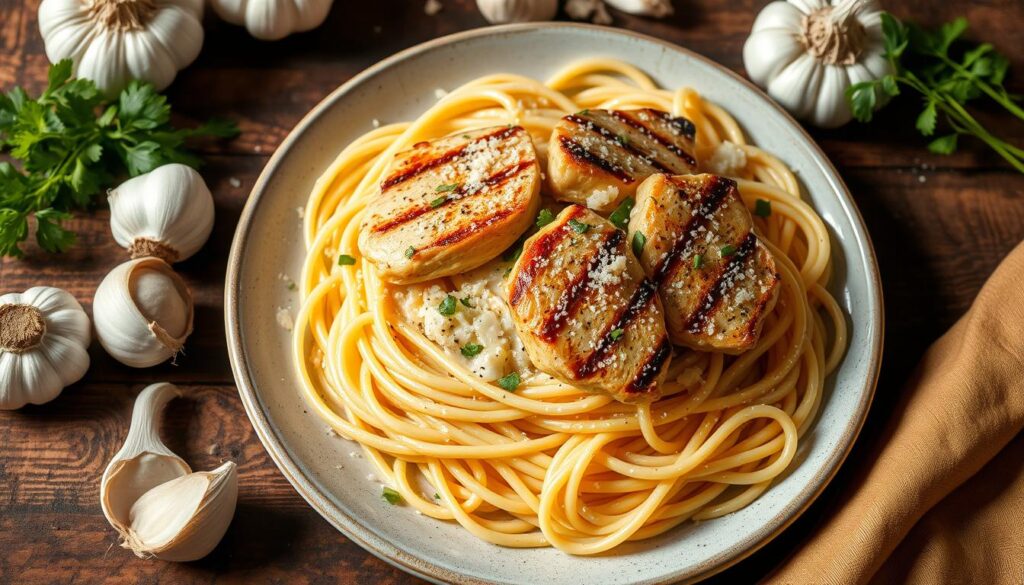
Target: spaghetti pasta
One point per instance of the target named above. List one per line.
(548, 464)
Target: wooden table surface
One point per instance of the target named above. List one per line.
(939, 224)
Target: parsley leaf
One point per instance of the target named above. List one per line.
(70, 144)
(620, 217)
(946, 73)
(448, 306)
(616, 334)
(578, 226)
(544, 218)
(390, 496)
(346, 260)
(510, 382)
(639, 239)
(471, 349)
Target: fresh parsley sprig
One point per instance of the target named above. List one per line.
(947, 73)
(71, 143)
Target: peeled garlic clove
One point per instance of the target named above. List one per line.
(655, 8)
(502, 11)
(167, 212)
(143, 462)
(143, 312)
(184, 518)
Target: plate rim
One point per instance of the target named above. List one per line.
(351, 527)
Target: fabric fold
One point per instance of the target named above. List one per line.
(963, 406)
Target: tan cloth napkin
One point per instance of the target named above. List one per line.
(943, 500)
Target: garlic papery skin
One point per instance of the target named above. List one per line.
(143, 312)
(44, 340)
(115, 41)
(806, 53)
(503, 11)
(167, 212)
(184, 518)
(143, 462)
(655, 8)
(270, 20)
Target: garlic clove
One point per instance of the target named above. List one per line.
(143, 312)
(143, 462)
(167, 212)
(655, 8)
(184, 518)
(502, 11)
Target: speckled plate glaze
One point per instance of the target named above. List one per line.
(268, 243)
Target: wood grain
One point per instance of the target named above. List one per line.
(940, 225)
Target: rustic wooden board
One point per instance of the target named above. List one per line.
(940, 225)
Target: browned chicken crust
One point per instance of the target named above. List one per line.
(598, 157)
(584, 310)
(716, 279)
(452, 204)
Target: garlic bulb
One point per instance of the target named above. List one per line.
(44, 336)
(271, 20)
(167, 213)
(114, 41)
(154, 500)
(502, 11)
(655, 8)
(807, 52)
(143, 312)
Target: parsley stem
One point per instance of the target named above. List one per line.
(983, 86)
(962, 116)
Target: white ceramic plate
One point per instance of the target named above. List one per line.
(268, 243)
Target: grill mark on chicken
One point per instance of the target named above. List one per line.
(540, 249)
(710, 200)
(754, 319)
(712, 299)
(653, 134)
(418, 166)
(583, 156)
(684, 126)
(649, 371)
(576, 292)
(496, 180)
(617, 141)
(642, 296)
(468, 229)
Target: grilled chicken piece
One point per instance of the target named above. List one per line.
(452, 204)
(716, 279)
(584, 310)
(598, 157)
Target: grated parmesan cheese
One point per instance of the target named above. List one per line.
(728, 159)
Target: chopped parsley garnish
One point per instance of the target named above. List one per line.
(448, 187)
(763, 208)
(391, 496)
(346, 260)
(471, 349)
(583, 112)
(616, 334)
(579, 226)
(437, 496)
(622, 139)
(448, 306)
(467, 303)
(544, 218)
(439, 201)
(727, 250)
(466, 136)
(698, 261)
(620, 217)
(292, 286)
(409, 252)
(639, 239)
(510, 382)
